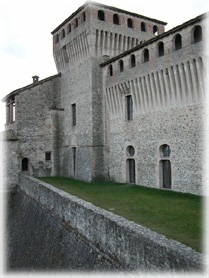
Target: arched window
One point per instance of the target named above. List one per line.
(165, 150)
(197, 34)
(130, 23)
(155, 30)
(76, 23)
(160, 49)
(146, 55)
(130, 151)
(121, 66)
(143, 27)
(101, 15)
(63, 33)
(110, 70)
(25, 164)
(57, 38)
(132, 61)
(116, 19)
(83, 16)
(177, 42)
(69, 28)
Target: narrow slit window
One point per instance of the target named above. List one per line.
(73, 114)
(121, 66)
(110, 70)
(129, 108)
(133, 61)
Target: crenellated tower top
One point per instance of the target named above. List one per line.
(98, 30)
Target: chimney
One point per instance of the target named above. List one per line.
(35, 78)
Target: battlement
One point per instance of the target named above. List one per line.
(108, 14)
(99, 30)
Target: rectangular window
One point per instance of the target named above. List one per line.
(48, 155)
(129, 108)
(74, 114)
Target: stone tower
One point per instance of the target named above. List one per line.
(91, 35)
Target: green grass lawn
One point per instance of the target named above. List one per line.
(178, 216)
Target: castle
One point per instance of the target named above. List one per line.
(126, 105)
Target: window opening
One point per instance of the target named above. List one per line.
(69, 28)
(155, 30)
(130, 23)
(129, 108)
(146, 55)
(130, 151)
(121, 66)
(74, 160)
(110, 70)
(116, 19)
(166, 151)
(133, 61)
(83, 16)
(197, 33)
(48, 156)
(143, 27)
(161, 49)
(178, 42)
(166, 165)
(130, 170)
(25, 164)
(63, 33)
(101, 15)
(76, 23)
(73, 114)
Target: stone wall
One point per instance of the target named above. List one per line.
(37, 117)
(9, 159)
(168, 94)
(37, 241)
(131, 245)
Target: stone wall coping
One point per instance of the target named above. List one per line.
(131, 244)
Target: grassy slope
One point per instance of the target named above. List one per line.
(176, 215)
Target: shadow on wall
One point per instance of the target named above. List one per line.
(38, 242)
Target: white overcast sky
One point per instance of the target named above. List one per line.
(26, 40)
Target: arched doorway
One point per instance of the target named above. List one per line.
(165, 167)
(166, 172)
(131, 170)
(130, 165)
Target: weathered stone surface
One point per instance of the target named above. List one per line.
(45, 243)
(133, 246)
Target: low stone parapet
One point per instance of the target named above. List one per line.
(131, 245)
